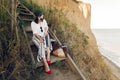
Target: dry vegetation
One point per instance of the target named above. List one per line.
(15, 62)
(14, 58)
(82, 48)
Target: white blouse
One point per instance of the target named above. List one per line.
(39, 28)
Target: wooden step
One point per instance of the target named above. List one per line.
(53, 60)
(25, 19)
(21, 7)
(22, 10)
(28, 29)
(26, 14)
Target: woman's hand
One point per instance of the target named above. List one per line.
(41, 40)
(45, 33)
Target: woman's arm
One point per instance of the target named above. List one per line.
(34, 30)
(46, 31)
(39, 38)
(46, 28)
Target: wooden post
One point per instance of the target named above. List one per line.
(12, 12)
(15, 22)
(74, 67)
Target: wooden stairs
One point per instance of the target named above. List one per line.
(27, 16)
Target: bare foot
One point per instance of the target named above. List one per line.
(46, 65)
(48, 54)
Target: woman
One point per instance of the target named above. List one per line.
(41, 39)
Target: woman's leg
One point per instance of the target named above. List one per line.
(47, 69)
(38, 45)
(41, 53)
(46, 64)
(48, 44)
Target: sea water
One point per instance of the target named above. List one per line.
(108, 41)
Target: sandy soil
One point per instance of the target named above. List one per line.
(115, 70)
(61, 74)
(60, 71)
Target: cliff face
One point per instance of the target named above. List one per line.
(76, 12)
(79, 13)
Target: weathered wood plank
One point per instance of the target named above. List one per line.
(24, 19)
(26, 9)
(53, 60)
(27, 14)
(74, 67)
(28, 28)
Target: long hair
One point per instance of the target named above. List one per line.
(36, 20)
(37, 14)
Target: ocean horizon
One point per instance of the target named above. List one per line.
(108, 41)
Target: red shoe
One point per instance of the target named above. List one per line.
(49, 62)
(48, 72)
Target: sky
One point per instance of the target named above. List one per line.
(105, 13)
